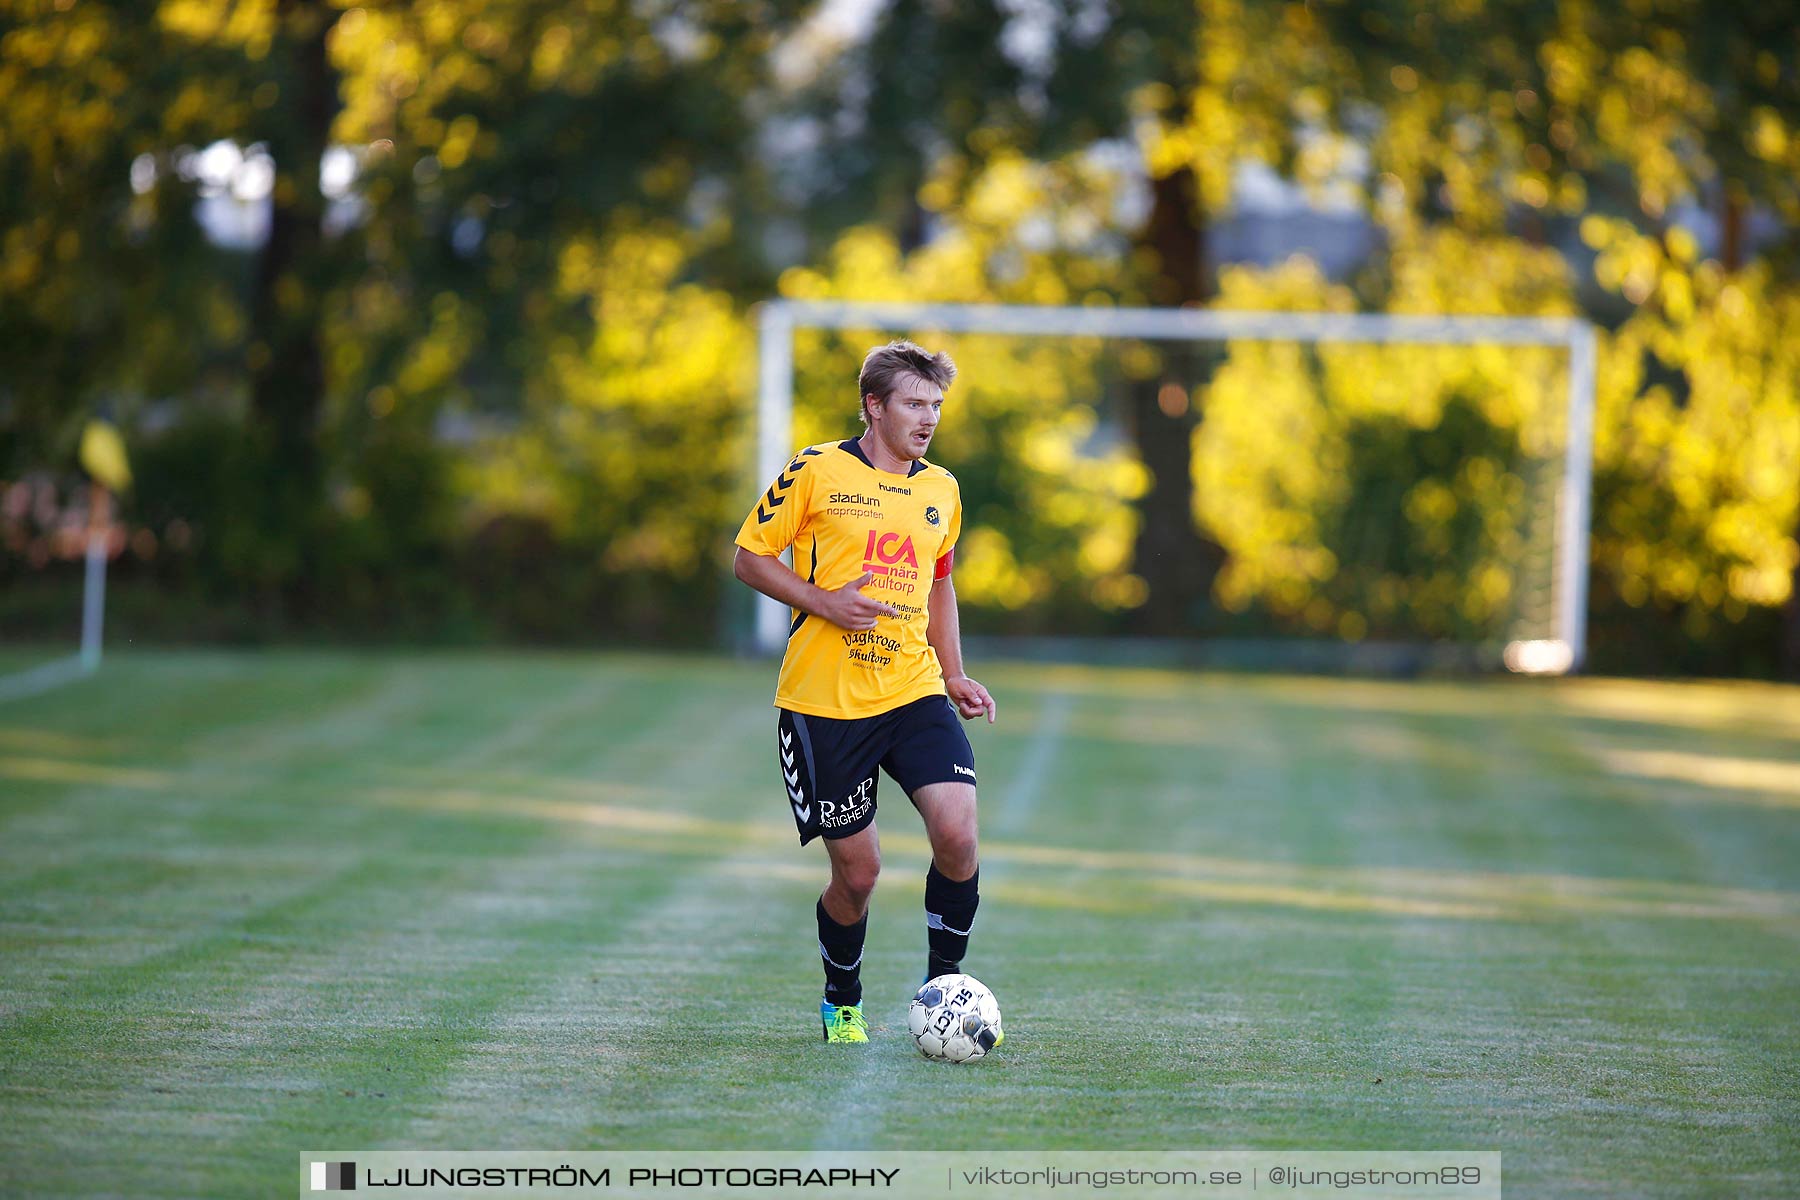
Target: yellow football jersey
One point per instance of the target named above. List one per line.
(843, 517)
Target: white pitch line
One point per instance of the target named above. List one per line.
(853, 1091)
(42, 679)
(1019, 799)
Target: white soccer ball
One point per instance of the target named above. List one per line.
(954, 1018)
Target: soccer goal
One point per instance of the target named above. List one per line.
(1550, 543)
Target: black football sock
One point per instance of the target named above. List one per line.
(841, 950)
(949, 915)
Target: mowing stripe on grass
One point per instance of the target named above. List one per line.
(234, 1001)
(329, 1043)
(53, 770)
(1770, 782)
(193, 814)
(1403, 891)
(607, 1033)
(316, 914)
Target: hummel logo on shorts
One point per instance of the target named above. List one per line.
(962, 770)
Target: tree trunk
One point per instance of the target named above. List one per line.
(285, 361)
(1731, 257)
(1172, 557)
(1731, 228)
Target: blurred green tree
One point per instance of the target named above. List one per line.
(478, 143)
(499, 313)
(1507, 120)
(1519, 116)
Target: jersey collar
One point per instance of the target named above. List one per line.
(918, 464)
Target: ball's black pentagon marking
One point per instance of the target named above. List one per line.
(986, 1039)
(972, 1024)
(930, 996)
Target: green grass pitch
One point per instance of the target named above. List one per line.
(252, 904)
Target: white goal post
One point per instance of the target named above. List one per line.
(1563, 652)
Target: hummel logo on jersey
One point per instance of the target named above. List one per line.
(962, 770)
(890, 488)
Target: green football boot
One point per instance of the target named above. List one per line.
(843, 1022)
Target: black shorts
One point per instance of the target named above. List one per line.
(829, 765)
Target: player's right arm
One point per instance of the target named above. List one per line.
(846, 606)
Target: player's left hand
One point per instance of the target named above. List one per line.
(970, 698)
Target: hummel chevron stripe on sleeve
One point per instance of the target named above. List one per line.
(778, 491)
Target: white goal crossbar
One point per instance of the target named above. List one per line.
(1564, 652)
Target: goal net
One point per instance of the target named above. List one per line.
(1376, 491)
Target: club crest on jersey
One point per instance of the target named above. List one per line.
(931, 514)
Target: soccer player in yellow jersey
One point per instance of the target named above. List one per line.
(873, 674)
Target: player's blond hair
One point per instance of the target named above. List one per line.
(884, 366)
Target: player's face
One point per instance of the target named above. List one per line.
(908, 418)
